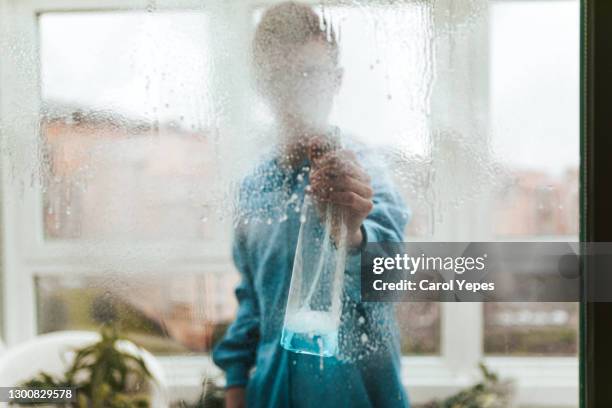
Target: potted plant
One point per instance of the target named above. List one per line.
(491, 392)
(102, 375)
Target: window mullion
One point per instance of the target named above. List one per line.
(19, 107)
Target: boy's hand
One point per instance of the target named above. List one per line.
(235, 397)
(336, 177)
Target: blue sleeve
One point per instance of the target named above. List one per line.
(235, 353)
(385, 223)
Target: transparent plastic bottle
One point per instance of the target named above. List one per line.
(314, 304)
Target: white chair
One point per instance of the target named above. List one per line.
(53, 352)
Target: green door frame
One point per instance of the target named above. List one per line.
(596, 195)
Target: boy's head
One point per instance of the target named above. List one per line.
(296, 64)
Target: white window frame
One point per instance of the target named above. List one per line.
(542, 381)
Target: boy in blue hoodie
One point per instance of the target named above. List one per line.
(297, 73)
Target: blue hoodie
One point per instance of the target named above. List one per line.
(366, 372)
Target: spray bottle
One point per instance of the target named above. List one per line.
(314, 304)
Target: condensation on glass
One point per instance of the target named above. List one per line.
(141, 153)
(147, 121)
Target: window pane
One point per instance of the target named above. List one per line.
(111, 175)
(420, 328)
(164, 313)
(130, 154)
(175, 151)
(535, 125)
(521, 329)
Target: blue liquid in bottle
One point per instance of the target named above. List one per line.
(311, 332)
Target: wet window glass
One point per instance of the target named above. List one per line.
(534, 93)
(202, 177)
(103, 102)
